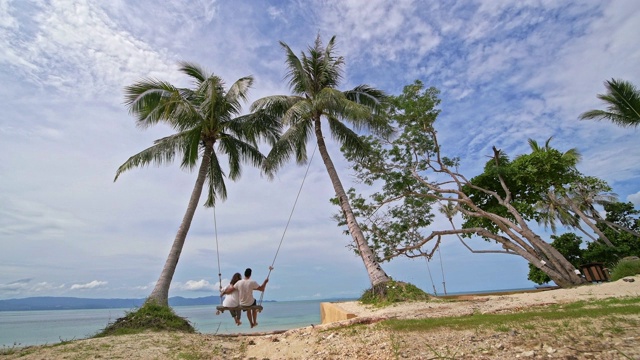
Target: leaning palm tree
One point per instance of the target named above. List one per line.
(202, 116)
(313, 79)
(623, 100)
(570, 206)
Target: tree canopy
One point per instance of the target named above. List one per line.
(500, 205)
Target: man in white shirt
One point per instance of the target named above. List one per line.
(245, 288)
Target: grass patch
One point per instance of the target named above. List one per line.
(625, 268)
(392, 292)
(149, 316)
(580, 310)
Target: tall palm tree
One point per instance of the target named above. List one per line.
(203, 116)
(313, 79)
(623, 100)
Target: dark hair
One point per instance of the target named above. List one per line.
(247, 273)
(236, 277)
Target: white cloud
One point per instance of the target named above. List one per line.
(78, 49)
(195, 285)
(25, 287)
(634, 198)
(90, 285)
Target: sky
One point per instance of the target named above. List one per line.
(507, 71)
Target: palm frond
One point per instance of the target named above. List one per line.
(292, 142)
(449, 209)
(239, 151)
(276, 105)
(195, 71)
(162, 152)
(299, 112)
(239, 91)
(347, 138)
(256, 125)
(298, 80)
(623, 104)
(367, 96)
(190, 148)
(216, 184)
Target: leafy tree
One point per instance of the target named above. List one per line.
(624, 243)
(623, 104)
(202, 116)
(497, 205)
(313, 79)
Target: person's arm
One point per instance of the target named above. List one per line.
(264, 285)
(228, 290)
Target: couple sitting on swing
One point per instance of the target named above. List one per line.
(239, 293)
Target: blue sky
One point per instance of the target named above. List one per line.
(507, 71)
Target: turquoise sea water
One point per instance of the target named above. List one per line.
(23, 328)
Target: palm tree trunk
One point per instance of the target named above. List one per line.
(377, 276)
(160, 293)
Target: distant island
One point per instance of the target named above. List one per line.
(74, 303)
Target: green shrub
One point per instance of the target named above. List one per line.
(150, 316)
(625, 268)
(392, 292)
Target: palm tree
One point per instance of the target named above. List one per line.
(202, 116)
(570, 206)
(313, 79)
(551, 209)
(623, 100)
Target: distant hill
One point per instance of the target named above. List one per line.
(73, 303)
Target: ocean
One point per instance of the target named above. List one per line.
(38, 327)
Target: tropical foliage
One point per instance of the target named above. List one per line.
(497, 205)
(623, 104)
(623, 243)
(205, 118)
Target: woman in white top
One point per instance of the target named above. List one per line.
(232, 299)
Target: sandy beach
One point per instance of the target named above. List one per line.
(369, 339)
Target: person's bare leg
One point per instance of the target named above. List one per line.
(249, 318)
(254, 315)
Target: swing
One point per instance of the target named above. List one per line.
(444, 286)
(258, 306)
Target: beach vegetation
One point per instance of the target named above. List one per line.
(499, 205)
(626, 267)
(317, 107)
(10, 349)
(557, 314)
(623, 104)
(208, 125)
(393, 292)
(623, 243)
(150, 316)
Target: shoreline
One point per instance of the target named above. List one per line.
(363, 337)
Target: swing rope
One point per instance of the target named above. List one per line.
(431, 278)
(215, 226)
(444, 286)
(289, 220)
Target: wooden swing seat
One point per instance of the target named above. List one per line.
(242, 308)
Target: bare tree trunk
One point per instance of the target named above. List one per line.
(584, 218)
(377, 276)
(160, 293)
